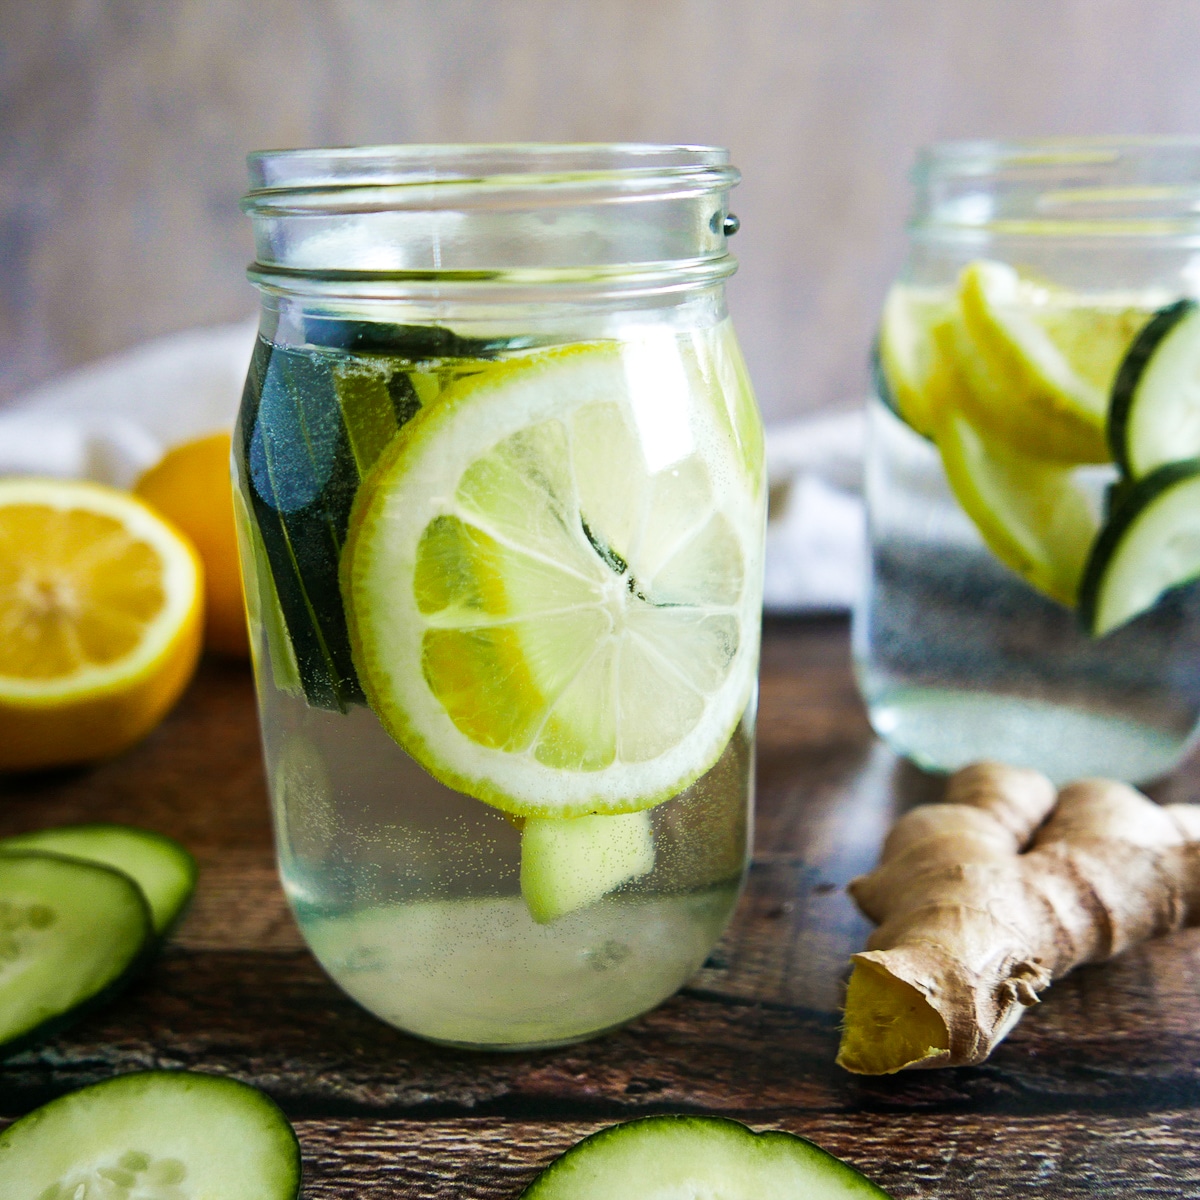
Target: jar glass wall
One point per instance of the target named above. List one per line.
(501, 493)
(1029, 595)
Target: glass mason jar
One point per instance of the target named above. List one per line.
(501, 491)
(1033, 508)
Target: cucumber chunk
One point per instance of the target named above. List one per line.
(569, 863)
(160, 866)
(154, 1135)
(1149, 544)
(1154, 413)
(672, 1157)
(70, 933)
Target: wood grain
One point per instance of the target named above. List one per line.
(915, 1157)
(1096, 1092)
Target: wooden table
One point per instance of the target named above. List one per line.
(1097, 1092)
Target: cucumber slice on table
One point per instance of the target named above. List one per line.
(155, 1135)
(1150, 543)
(70, 933)
(1154, 414)
(671, 1157)
(160, 866)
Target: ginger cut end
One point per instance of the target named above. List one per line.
(888, 1025)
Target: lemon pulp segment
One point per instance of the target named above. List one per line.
(553, 593)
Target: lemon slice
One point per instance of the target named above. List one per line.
(1030, 513)
(1040, 361)
(101, 614)
(553, 581)
(909, 353)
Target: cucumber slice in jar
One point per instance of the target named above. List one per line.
(1154, 414)
(568, 863)
(154, 1135)
(670, 1157)
(159, 865)
(1150, 544)
(71, 932)
(313, 422)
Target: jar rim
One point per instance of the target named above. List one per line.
(972, 156)
(1094, 187)
(438, 177)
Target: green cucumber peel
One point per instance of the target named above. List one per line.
(1135, 505)
(1126, 384)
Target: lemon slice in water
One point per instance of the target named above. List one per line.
(553, 581)
(1040, 361)
(1032, 514)
(909, 352)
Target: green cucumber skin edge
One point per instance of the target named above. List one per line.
(1129, 506)
(259, 1097)
(545, 1179)
(1129, 375)
(137, 963)
(173, 848)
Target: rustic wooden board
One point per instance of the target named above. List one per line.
(1097, 1082)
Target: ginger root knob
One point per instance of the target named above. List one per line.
(985, 898)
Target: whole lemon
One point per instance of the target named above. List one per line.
(191, 486)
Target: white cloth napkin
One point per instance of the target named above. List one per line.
(111, 420)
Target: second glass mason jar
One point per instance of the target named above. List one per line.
(1033, 463)
(501, 502)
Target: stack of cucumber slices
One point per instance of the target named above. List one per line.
(1151, 540)
(81, 908)
(1018, 384)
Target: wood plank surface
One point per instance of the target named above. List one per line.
(1097, 1092)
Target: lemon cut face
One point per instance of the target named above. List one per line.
(101, 610)
(553, 582)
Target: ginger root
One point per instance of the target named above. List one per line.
(985, 898)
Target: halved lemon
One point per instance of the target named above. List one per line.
(101, 615)
(1031, 513)
(1040, 361)
(553, 581)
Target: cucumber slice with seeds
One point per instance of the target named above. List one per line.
(154, 1135)
(71, 932)
(160, 866)
(1150, 544)
(672, 1157)
(1154, 414)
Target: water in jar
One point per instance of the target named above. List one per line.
(501, 923)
